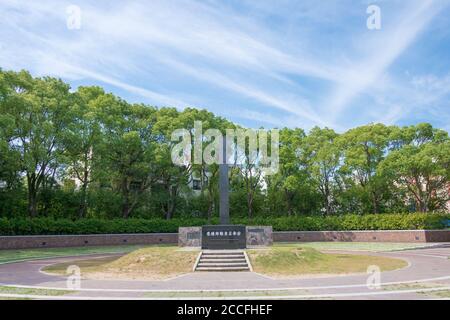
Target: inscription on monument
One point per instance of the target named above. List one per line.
(259, 230)
(193, 235)
(223, 237)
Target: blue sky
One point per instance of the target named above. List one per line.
(256, 62)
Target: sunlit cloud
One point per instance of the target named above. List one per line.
(274, 64)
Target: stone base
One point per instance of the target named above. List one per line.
(259, 236)
(411, 236)
(256, 236)
(190, 236)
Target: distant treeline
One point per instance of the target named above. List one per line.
(87, 153)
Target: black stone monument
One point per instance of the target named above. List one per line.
(225, 235)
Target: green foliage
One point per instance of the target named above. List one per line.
(411, 221)
(48, 226)
(42, 226)
(85, 153)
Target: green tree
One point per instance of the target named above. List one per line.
(127, 148)
(421, 166)
(80, 139)
(364, 148)
(38, 108)
(322, 157)
(9, 167)
(291, 178)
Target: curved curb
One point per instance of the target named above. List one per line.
(227, 290)
(294, 297)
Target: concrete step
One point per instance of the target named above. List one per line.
(222, 269)
(223, 260)
(222, 252)
(227, 264)
(234, 256)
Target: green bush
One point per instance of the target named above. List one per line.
(43, 226)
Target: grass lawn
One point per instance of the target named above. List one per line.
(417, 286)
(30, 291)
(441, 294)
(284, 260)
(356, 246)
(221, 294)
(30, 254)
(289, 261)
(151, 263)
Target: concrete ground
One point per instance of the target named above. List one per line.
(428, 271)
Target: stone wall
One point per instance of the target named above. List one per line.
(364, 236)
(22, 242)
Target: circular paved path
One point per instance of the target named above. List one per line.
(430, 266)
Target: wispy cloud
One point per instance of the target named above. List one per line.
(277, 64)
(384, 50)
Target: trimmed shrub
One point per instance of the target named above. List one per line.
(49, 226)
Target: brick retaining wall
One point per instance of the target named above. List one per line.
(364, 236)
(22, 242)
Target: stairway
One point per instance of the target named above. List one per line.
(223, 260)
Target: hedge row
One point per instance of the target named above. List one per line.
(44, 226)
(413, 221)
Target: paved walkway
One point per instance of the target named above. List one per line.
(428, 265)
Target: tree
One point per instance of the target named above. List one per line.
(9, 167)
(94, 154)
(364, 148)
(127, 148)
(421, 166)
(251, 176)
(81, 138)
(322, 157)
(173, 178)
(38, 108)
(291, 177)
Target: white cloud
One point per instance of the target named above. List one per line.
(384, 51)
(155, 49)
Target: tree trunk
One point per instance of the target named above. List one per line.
(288, 202)
(170, 210)
(210, 206)
(126, 199)
(327, 207)
(376, 208)
(125, 209)
(32, 203)
(327, 199)
(32, 197)
(250, 205)
(423, 207)
(83, 201)
(171, 203)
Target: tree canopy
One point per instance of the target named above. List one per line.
(88, 153)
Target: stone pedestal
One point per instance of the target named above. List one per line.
(256, 236)
(190, 237)
(259, 236)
